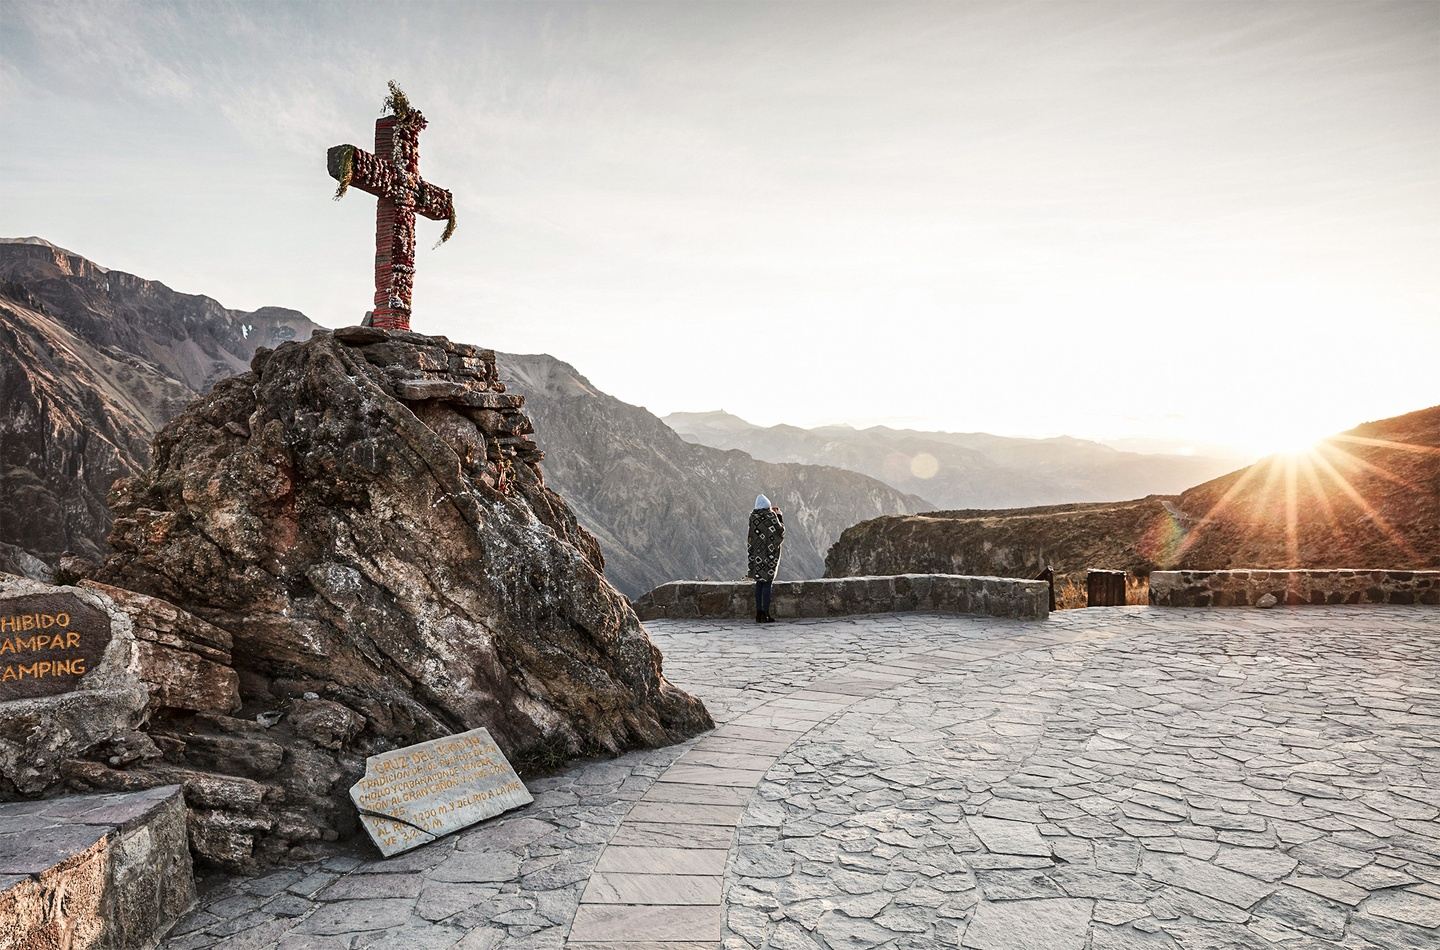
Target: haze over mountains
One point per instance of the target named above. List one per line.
(93, 361)
(666, 509)
(962, 469)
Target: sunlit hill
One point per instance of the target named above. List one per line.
(1369, 497)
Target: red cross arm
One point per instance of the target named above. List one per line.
(356, 168)
(434, 203)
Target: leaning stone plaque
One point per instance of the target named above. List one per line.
(47, 643)
(414, 795)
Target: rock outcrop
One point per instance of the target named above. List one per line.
(364, 515)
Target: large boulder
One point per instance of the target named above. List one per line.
(364, 514)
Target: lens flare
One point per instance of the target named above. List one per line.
(924, 465)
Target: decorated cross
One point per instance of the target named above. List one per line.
(392, 174)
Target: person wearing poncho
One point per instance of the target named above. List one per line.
(767, 534)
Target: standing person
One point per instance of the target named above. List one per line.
(767, 534)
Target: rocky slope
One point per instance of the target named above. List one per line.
(1369, 497)
(666, 509)
(961, 469)
(364, 515)
(92, 362)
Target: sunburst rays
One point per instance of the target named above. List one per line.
(1292, 482)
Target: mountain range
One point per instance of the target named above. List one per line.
(962, 469)
(94, 361)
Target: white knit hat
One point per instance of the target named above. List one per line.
(761, 502)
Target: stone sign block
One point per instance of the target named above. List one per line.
(47, 643)
(414, 795)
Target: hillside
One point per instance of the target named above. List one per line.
(666, 509)
(93, 361)
(962, 469)
(1368, 497)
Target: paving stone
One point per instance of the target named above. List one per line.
(348, 917)
(1373, 877)
(663, 860)
(606, 923)
(1205, 878)
(1305, 912)
(1406, 907)
(477, 867)
(1262, 863)
(1009, 837)
(1105, 937)
(665, 812)
(652, 834)
(1052, 924)
(367, 886)
(1328, 887)
(611, 887)
(441, 899)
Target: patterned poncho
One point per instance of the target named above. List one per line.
(767, 533)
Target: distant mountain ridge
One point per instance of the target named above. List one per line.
(1365, 498)
(93, 361)
(666, 509)
(961, 469)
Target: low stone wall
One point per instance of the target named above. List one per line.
(1250, 588)
(104, 872)
(838, 596)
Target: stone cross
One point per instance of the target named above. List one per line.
(392, 175)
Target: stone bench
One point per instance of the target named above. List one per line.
(1247, 588)
(839, 596)
(104, 872)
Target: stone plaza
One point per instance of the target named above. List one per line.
(1110, 779)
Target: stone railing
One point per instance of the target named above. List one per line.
(1268, 588)
(838, 596)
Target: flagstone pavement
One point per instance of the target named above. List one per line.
(1109, 779)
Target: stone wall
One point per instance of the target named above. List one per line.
(104, 872)
(1250, 588)
(838, 596)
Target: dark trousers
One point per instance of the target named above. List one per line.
(762, 596)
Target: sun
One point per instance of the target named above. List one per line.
(1291, 438)
(1297, 444)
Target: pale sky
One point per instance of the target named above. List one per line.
(1202, 222)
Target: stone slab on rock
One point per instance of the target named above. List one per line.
(105, 872)
(415, 795)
